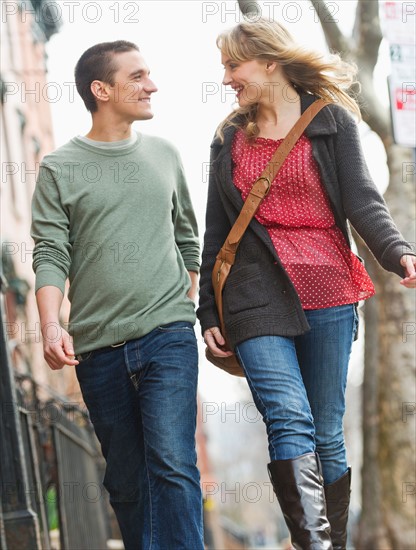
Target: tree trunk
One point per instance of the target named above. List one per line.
(388, 476)
(387, 519)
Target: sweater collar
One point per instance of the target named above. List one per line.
(323, 123)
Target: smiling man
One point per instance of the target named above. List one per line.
(112, 212)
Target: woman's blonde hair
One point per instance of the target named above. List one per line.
(308, 72)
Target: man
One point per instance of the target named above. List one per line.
(112, 212)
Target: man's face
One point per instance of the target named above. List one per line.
(130, 95)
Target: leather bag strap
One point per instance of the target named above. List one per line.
(261, 187)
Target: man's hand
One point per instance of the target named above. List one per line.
(409, 263)
(58, 351)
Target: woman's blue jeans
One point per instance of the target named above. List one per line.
(142, 401)
(298, 385)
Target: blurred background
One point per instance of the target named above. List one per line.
(50, 466)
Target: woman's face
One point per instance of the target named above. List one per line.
(254, 81)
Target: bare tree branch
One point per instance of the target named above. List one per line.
(363, 50)
(367, 33)
(335, 39)
(248, 7)
(373, 112)
(367, 38)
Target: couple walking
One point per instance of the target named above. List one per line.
(112, 212)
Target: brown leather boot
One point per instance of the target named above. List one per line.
(298, 485)
(337, 496)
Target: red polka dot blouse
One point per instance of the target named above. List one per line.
(298, 216)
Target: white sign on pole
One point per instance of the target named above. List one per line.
(398, 21)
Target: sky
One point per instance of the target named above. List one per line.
(177, 40)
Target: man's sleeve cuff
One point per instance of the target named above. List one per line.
(47, 276)
(191, 266)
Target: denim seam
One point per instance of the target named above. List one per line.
(139, 374)
(149, 485)
(266, 416)
(355, 323)
(134, 378)
(135, 382)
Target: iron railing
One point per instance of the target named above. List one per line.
(50, 468)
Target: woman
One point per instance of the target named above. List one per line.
(289, 301)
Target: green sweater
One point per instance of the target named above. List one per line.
(119, 223)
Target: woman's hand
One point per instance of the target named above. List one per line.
(215, 342)
(409, 264)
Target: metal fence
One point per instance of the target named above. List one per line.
(50, 468)
(81, 496)
(64, 471)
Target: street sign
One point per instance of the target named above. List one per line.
(398, 23)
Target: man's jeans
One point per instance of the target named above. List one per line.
(298, 385)
(142, 401)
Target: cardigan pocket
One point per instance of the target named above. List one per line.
(245, 289)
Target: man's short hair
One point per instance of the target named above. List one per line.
(98, 63)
